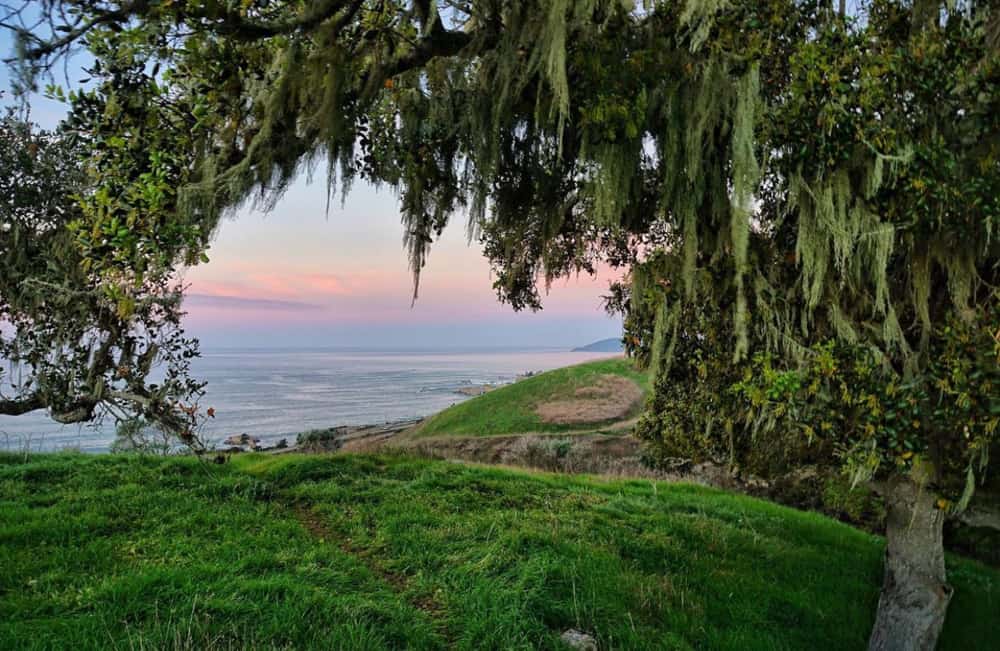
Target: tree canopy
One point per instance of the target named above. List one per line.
(68, 344)
(806, 198)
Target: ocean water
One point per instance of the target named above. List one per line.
(274, 394)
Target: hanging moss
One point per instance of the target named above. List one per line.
(745, 177)
(795, 177)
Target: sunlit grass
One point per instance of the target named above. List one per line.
(359, 552)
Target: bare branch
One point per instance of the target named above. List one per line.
(981, 517)
(79, 411)
(19, 406)
(45, 48)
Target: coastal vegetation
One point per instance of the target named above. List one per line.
(804, 199)
(575, 394)
(67, 348)
(382, 552)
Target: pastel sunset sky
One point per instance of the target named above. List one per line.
(301, 276)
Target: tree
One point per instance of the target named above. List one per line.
(69, 346)
(807, 199)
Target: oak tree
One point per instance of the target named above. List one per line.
(806, 197)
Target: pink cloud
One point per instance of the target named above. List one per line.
(275, 285)
(324, 284)
(450, 290)
(290, 284)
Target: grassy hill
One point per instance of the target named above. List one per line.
(513, 409)
(358, 552)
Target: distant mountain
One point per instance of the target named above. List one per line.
(602, 346)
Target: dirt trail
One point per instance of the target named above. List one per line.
(400, 583)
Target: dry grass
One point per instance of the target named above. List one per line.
(609, 398)
(513, 409)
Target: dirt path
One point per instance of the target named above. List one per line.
(400, 584)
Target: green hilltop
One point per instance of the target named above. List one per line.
(514, 409)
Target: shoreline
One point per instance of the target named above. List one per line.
(315, 441)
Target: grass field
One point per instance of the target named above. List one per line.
(357, 552)
(511, 409)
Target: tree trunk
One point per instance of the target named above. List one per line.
(915, 594)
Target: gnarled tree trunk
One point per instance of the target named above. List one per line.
(915, 593)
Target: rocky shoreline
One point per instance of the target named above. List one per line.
(339, 437)
(473, 390)
(330, 439)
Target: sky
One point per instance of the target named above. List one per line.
(302, 276)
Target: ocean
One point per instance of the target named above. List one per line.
(274, 394)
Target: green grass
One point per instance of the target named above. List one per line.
(356, 552)
(511, 409)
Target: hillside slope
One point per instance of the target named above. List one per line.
(581, 398)
(358, 552)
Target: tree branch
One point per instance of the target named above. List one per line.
(439, 42)
(980, 517)
(45, 48)
(79, 411)
(237, 26)
(227, 22)
(19, 406)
